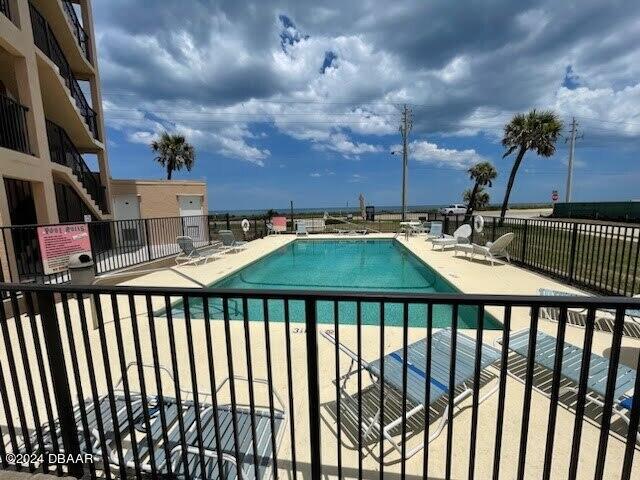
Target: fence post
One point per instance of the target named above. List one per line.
(572, 256)
(146, 234)
(493, 230)
(524, 240)
(91, 246)
(59, 380)
(445, 227)
(228, 222)
(314, 391)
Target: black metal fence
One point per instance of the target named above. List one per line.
(599, 257)
(118, 244)
(13, 125)
(81, 35)
(46, 41)
(246, 384)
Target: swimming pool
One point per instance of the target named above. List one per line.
(365, 265)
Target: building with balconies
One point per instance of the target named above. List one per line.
(51, 119)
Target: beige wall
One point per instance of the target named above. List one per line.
(159, 198)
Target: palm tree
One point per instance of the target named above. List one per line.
(173, 152)
(535, 130)
(483, 173)
(480, 199)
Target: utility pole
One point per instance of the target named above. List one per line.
(572, 148)
(405, 128)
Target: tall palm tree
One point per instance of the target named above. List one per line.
(535, 130)
(483, 174)
(173, 152)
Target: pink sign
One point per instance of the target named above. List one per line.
(58, 242)
(279, 224)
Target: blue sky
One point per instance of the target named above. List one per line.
(295, 101)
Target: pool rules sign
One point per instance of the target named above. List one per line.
(59, 242)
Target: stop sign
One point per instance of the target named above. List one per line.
(554, 196)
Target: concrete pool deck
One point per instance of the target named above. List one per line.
(468, 276)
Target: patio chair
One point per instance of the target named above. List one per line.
(493, 251)
(460, 237)
(417, 380)
(191, 255)
(604, 320)
(545, 355)
(229, 240)
(301, 228)
(435, 231)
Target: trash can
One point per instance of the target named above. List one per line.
(81, 270)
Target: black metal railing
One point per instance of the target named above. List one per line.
(14, 133)
(212, 384)
(4, 8)
(119, 244)
(601, 257)
(63, 151)
(46, 41)
(81, 35)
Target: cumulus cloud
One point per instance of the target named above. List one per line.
(333, 75)
(427, 152)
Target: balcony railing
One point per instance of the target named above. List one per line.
(13, 125)
(213, 380)
(4, 8)
(46, 41)
(81, 35)
(63, 151)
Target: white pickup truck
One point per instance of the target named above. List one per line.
(454, 209)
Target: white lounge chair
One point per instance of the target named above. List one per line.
(417, 380)
(301, 228)
(460, 236)
(191, 255)
(493, 251)
(229, 240)
(604, 319)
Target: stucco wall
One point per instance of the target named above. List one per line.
(159, 198)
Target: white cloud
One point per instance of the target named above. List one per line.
(427, 152)
(220, 72)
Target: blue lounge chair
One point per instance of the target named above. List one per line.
(435, 231)
(604, 317)
(417, 380)
(545, 355)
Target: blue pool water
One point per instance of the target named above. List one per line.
(366, 265)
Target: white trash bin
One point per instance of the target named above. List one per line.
(81, 271)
